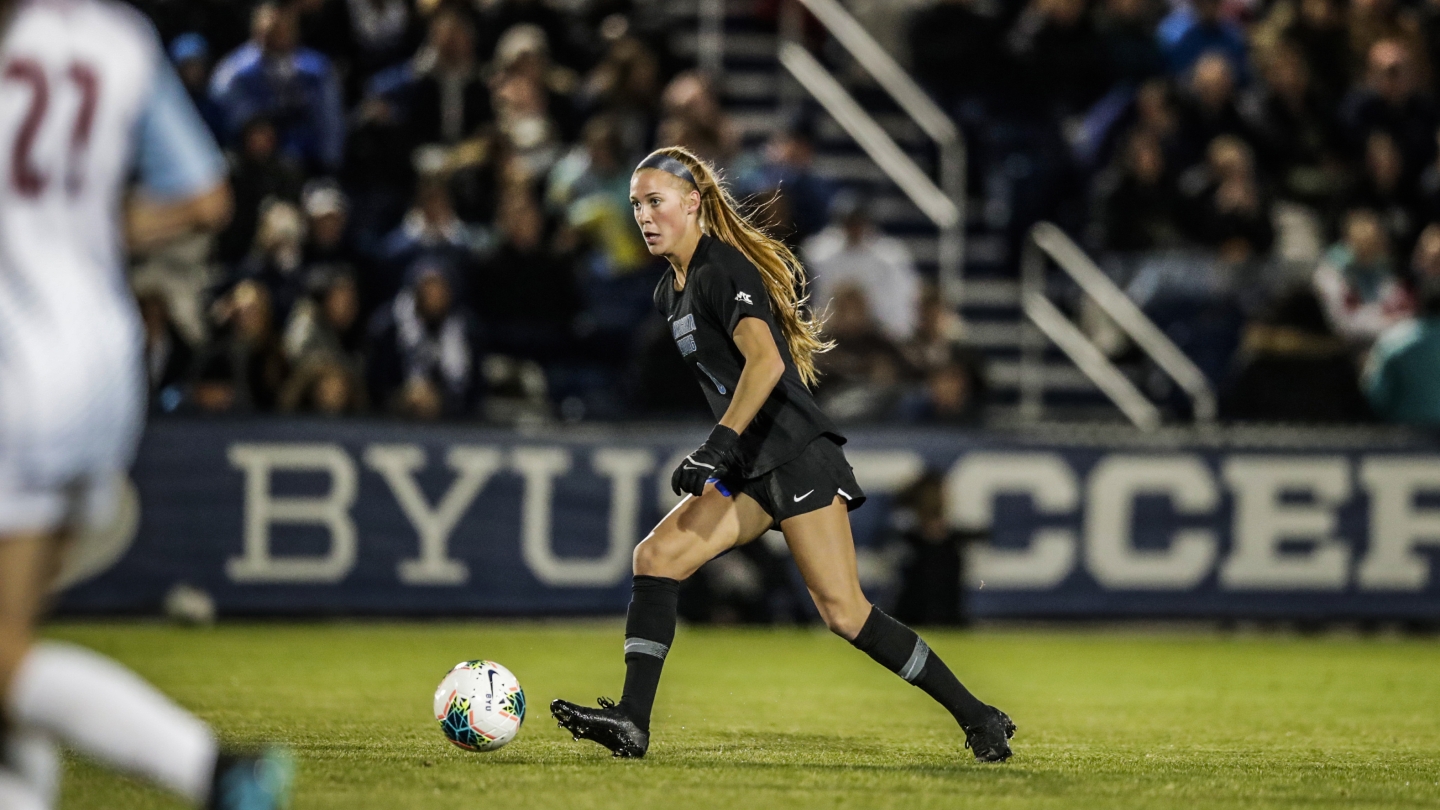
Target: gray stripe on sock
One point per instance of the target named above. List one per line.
(918, 657)
(643, 647)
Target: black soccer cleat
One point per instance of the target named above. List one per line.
(606, 725)
(989, 738)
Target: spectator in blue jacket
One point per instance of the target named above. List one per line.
(1193, 30)
(191, 55)
(272, 76)
(1402, 376)
(789, 168)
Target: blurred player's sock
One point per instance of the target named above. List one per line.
(17, 794)
(904, 653)
(35, 759)
(649, 632)
(105, 711)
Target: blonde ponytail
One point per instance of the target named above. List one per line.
(780, 270)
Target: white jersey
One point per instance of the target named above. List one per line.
(87, 100)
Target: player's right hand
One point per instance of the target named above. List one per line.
(717, 458)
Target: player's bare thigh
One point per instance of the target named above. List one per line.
(824, 551)
(696, 531)
(29, 562)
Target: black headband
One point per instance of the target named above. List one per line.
(669, 165)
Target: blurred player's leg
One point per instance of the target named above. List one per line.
(16, 794)
(34, 758)
(106, 712)
(824, 550)
(91, 703)
(29, 761)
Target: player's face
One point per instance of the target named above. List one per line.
(664, 207)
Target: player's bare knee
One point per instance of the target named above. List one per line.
(643, 560)
(845, 626)
(844, 617)
(655, 557)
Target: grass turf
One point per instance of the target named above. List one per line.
(793, 718)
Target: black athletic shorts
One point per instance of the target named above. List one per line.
(807, 482)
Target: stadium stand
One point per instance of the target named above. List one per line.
(1212, 158)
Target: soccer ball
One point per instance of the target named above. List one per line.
(479, 705)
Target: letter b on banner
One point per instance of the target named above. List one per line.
(263, 510)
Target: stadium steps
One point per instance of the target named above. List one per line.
(991, 309)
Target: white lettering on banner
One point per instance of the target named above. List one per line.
(885, 471)
(397, 464)
(972, 485)
(665, 497)
(1110, 553)
(1397, 526)
(624, 468)
(540, 466)
(263, 510)
(1262, 523)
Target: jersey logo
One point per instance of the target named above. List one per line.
(683, 327)
(687, 345)
(799, 498)
(743, 297)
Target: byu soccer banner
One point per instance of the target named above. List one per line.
(308, 517)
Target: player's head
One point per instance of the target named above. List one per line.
(665, 197)
(676, 193)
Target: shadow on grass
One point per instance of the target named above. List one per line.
(773, 752)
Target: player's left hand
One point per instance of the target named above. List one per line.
(716, 458)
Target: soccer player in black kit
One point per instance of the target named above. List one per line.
(733, 297)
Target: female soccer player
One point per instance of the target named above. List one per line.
(734, 299)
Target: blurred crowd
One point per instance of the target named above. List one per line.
(432, 218)
(1261, 175)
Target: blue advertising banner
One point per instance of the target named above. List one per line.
(339, 518)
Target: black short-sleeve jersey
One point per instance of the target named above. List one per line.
(722, 287)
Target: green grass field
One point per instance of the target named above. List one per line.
(793, 718)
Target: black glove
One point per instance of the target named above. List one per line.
(716, 458)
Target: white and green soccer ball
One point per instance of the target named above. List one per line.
(479, 705)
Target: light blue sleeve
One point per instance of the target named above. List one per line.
(176, 156)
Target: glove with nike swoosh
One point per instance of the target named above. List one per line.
(718, 457)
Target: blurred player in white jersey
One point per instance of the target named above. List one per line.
(88, 103)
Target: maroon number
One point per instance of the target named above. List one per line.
(28, 180)
(89, 85)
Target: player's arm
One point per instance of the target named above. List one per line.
(719, 456)
(182, 175)
(735, 297)
(150, 222)
(763, 368)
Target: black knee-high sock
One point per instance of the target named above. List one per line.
(898, 649)
(649, 632)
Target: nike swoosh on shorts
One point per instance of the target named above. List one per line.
(799, 498)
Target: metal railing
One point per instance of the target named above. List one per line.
(1046, 240)
(949, 215)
